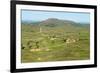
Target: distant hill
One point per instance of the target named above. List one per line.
(54, 22)
(30, 22)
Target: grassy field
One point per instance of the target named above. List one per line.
(42, 43)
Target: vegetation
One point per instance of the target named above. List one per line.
(55, 40)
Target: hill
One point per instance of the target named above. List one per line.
(54, 40)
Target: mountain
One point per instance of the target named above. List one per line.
(58, 24)
(53, 22)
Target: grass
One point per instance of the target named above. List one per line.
(58, 49)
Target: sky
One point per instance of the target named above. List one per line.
(29, 15)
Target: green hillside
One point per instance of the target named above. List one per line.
(55, 40)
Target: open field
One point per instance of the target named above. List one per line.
(54, 40)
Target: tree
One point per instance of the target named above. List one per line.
(29, 44)
(64, 40)
(37, 44)
(22, 46)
